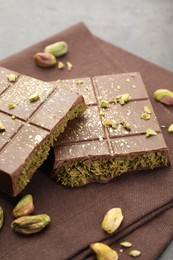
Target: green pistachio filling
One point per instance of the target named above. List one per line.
(79, 173)
(42, 151)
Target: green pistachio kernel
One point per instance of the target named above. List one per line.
(69, 65)
(134, 253)
(11, 106)
(126, 244)
(126, 125)
(145, 116)
(60, 65)
(170, 128)
(147, 110)
(12, 77)
(79, 82)
(34, 97)
(122, 99)
(109, 123)
(2, 127)
(104, 104)
(150, 132)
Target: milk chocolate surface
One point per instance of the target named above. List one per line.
(30, 127)
(90, 151)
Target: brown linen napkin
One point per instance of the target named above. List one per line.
(77, 213)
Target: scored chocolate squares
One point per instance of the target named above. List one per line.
(119, 132)
(32, 115)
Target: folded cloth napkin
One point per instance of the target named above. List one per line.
(145, 197)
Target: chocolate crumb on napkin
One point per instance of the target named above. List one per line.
(146, 198)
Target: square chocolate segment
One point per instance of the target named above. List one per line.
(111, 137)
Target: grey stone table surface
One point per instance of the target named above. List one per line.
(143, 27)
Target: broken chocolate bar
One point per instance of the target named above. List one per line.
(118, 133)
(32, 115)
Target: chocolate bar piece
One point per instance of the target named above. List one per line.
(32, 115)
(118, 132)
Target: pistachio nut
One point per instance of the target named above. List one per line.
(134, 253)
(60, 65)
(12, 78)
(1, 217)
(104, 252)
(164, 96)
(30, 224)
(122, 99)
(34, 97)
(126, 244)
(112, 220)
(45, 60)
(69, 65)
(104, 104)
(145, 116)
(57, 49)
(170, 128)
(24, 207)
(150, 132)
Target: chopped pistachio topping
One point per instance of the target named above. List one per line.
(119, 87)
(134, 253)
(150, 132)
(34, 97)
(11, 106)
(133, 86)
(13, 117)
(126, 244)
(100, 138)
(122, 99)
(102, 113)
(69, 65)
(79, 82)
(104, 104)
(127, 79)
(147, 110)
(109, 123)
(2, 128)
(126, 125)
(60, 65)
(145, 116)
(170, 128)
(12, 77)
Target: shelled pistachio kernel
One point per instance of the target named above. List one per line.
(1, 217)
(69, 65)
(12, 78)
(109, 123)
(11, 106)
(170, 128)
(103, 252)
(164, 96)
(45, 60)
(57, 49)
(24, 207)
(2, 127)
(126, 244)
(30, 224)
(145, 116)
(79, 82)
(134, 253)
(60, 65)
(147, 110)
(122, 99)
(112, 220)
(104, 104)
(34, 97)
(150, 132)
